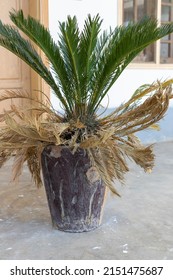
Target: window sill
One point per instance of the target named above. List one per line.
(150, 66)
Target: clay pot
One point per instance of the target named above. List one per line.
(74, 189)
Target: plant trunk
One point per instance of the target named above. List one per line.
(74, 189)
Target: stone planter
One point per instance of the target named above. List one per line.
(74, 189)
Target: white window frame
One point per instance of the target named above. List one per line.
(152, 65)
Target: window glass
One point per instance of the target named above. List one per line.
(166, 13)
(167, 1)
(166, 53)
(135, 10)
(128, 11)
(166, 47)
(145, 7)
(166, 38)
(165, 50)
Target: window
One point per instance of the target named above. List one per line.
(166, 48)
(134, 10)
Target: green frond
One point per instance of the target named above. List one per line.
(42, 38)
(125, 43)
(88, 43)
(68, 43)
(11, 39)
(85, 63)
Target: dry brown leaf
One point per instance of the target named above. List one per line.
(108, 144)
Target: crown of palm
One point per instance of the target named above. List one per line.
(83, 64)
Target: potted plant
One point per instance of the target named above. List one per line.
(80, 152)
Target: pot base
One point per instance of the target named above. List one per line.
(77, 227)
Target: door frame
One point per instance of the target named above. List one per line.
(39, 9)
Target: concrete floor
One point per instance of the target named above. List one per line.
(139, 225)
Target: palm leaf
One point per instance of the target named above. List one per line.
(42, 38)
(125, 43)
(85, 64)
(11, 39)
(88, 43)
(69, 40)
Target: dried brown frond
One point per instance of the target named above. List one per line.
(143, 156)
(97, 158)
(139, 94)
(11, 94)
(22, 130)
(140, 115)
(35, 105)
(109, 159)
(19, 160)
(34, 164)
(108, 143)
(5, 154)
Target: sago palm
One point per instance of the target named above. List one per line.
(83, 66)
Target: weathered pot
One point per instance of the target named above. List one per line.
(74, 189)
